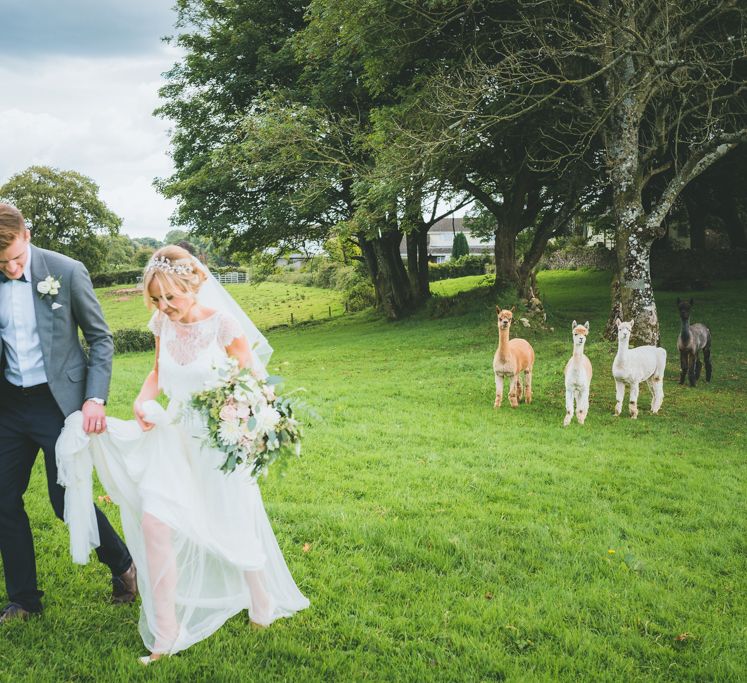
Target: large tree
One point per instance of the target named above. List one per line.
(656, 86)
(64, 212)
(272, 141)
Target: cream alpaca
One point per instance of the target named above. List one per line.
(513, 357)
(633, 366)
(577, 377)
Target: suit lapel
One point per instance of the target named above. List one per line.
(42, 308)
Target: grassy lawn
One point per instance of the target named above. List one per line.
(452, 542)
(269, 303)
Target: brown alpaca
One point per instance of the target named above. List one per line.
(513, 357)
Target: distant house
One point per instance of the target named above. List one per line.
(441, 238)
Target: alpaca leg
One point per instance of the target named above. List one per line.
(619, 396)
(633, 405)
(528, 387)
(657, 389)
(519, 387)
(691, 369)
(707, 361)
(683, 366)
(698, 366)
(498, 390)
(568, 406)
(654, 392)
(162, 573)
(512, 391)
(658, 378)
(582, 405)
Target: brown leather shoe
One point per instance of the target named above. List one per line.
(14, 612)
(124, 586)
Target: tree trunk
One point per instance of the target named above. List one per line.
(542, 235)
(388, 274)
(696, 214)
(632, 291)
(506, 271)
(424, 283)
(417, 262)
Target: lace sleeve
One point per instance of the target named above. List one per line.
(228, 329)
(155, 323)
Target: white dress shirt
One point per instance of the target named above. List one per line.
(23, 352)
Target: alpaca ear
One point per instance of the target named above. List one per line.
(513, 308)
(631, 323)
(617, 322)
(498, 309)
(587, 326)
(573, 325)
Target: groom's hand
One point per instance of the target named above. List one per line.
(94, 418)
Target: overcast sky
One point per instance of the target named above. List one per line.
(79, 84)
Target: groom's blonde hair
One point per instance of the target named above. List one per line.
(11, 225)
(173, 270)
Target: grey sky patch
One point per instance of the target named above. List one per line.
(84, 28)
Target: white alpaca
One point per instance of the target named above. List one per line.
(577, 377)
(633, 366)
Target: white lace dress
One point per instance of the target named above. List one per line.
(200, 538)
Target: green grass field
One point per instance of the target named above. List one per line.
(448, 541)
(270, 304)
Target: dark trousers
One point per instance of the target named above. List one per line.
(31, 420)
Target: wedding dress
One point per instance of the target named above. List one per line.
(200, 538)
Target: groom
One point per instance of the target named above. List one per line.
(45, 298)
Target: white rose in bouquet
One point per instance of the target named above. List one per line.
(267, 419)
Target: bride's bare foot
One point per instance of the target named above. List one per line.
(262, 609)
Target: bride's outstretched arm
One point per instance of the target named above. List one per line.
(239, 349)
(148, 392)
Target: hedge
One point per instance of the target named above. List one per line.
(119, 277)
(465, 265)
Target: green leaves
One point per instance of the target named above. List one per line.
(64, 212)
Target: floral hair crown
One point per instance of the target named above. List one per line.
(167, 266)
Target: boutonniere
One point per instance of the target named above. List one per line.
(49, 286)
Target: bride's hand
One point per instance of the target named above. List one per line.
(140, 417)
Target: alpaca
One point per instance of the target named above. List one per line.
(633, 366)
(692, 339)
(577, 377)
(512, 357)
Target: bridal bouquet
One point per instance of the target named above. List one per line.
(246, 420)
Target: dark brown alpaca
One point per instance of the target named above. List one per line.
(693, 338)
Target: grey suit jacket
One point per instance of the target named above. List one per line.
(72, 376)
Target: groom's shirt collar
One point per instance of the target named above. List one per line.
(19, 332)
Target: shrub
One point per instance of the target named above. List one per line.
(119, 277)
(132, 340)
(466, 265)
(359, 297)
(128, 340)
(460, 247)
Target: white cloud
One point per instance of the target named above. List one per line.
(93, 116)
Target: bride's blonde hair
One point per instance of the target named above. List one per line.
(174, 271)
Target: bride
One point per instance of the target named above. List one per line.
(200, 538)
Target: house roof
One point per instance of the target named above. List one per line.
(450, 224)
